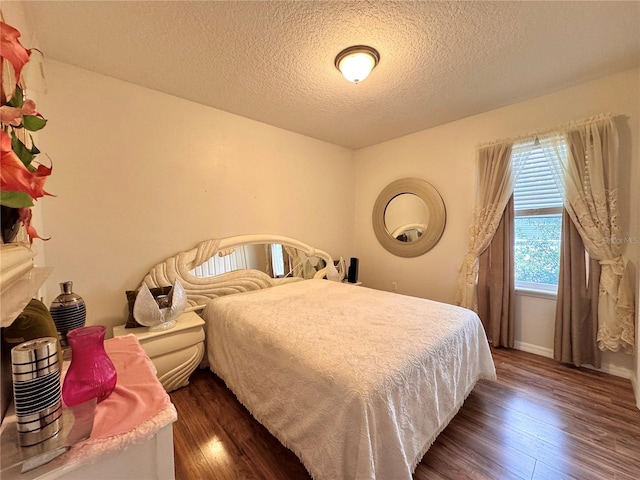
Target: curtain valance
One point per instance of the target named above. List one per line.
(553, 131)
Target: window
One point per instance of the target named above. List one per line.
(538, 198)
(277, 260)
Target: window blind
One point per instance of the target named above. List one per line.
(216, 265)
(536, 187)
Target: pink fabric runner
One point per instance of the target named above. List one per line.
(138, 396)
(135, 411)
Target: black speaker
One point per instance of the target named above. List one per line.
(353, 270)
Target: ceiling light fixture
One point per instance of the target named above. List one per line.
(355, 63)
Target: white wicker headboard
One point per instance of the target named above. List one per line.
(200, 290)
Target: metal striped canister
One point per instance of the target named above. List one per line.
(36, 390)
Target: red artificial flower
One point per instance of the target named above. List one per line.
(25, 218)
(12, 50)
(15, 177)
(21, 179)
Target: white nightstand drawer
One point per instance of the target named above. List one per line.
(175, 352)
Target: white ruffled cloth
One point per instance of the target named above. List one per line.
(357, 382)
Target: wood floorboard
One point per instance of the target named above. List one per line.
(539, 421)
(500, 453)
(590, 446)
(543, 471)
(624, 476)
(499, 430)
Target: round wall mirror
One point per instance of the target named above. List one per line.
(409, 217)
(406, 217)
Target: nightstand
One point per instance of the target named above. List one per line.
(176, 352)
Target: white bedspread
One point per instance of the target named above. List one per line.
(357, 382)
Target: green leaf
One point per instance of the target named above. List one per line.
(18, 98)
(34, 150)
(33, 123)
(15, 199)
(23, 153)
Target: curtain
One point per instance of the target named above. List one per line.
(268, 260)
(496, 291)
(494, 187)
(286, 260)
(577, 305)
(589, 174)
(293, 261)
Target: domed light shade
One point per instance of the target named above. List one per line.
(356, 62)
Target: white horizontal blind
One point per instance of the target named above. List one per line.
(217, 265)
(537, 189)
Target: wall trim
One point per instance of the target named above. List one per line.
(535, 349)
(636, 391)
(613, 370)
(610, 369)
(530, 292)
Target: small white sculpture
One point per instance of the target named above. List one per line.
(147, 312)
(336, 274)
(342, 269)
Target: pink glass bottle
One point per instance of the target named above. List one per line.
(91, 373)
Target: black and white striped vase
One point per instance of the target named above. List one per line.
(68, 311)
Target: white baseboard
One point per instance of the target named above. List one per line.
(617, 371)
(636, 391)
(610, 369)
(535, 349)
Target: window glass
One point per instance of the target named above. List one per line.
(537, 250)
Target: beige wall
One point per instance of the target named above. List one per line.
(140, 175)
(445, 156)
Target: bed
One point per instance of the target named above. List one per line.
(357, 382)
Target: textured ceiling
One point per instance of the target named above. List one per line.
(272, 61)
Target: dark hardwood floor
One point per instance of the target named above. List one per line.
(539, 420)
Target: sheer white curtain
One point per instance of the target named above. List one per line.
(494, 187)
(589, 174)
(298, 267)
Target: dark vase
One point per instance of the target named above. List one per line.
(68, 311)
(10, 223)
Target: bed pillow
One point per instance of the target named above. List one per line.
(131, 299)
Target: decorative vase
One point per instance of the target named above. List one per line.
(68, 311)
(91, 373)
(36, 390)
(10, 223)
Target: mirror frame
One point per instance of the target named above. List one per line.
(437, 217)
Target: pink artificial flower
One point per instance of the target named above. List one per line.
(15, 177)
(13, 115)
(25, 218)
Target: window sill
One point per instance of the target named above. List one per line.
(530, 292)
